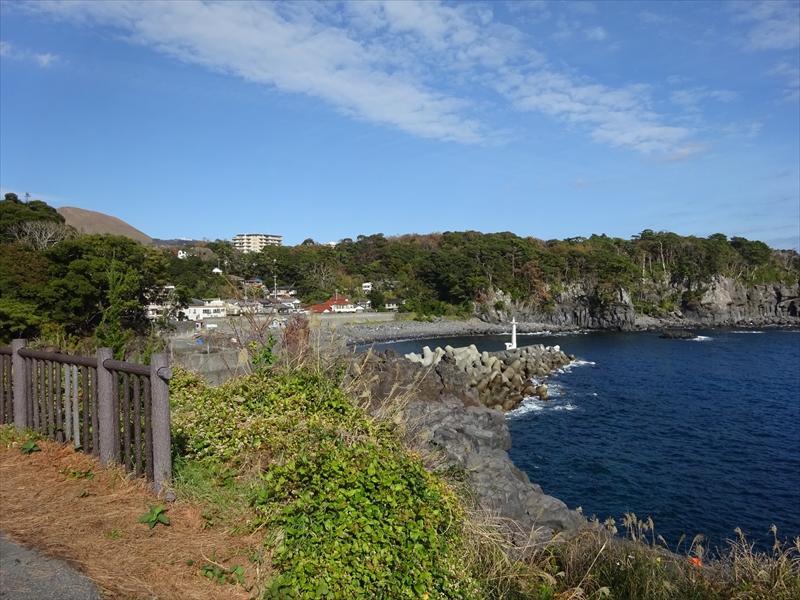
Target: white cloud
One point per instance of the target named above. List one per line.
(415, 66)
(682, 153)
(690, 98)
(618, 117)
(650, 17)
(774, 25)
(43, 60)
(597, 34)
(792, 74)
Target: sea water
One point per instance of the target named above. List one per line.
(703, 435)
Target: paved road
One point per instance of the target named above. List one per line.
(27, 575)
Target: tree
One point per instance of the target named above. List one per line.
(76, 293)
(40, 235)
(121, 299)
(13, 211)
(377, 299)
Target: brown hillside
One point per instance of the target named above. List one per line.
(89, 221)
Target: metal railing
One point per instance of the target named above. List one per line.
(118, 411)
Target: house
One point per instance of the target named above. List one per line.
(394, 303)
(335, 305)
(287, 290)
(204, 309)
(235, 307)
(364, 303)
(366, 287)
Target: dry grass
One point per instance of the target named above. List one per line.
(93, 524)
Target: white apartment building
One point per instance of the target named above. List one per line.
(254, 242)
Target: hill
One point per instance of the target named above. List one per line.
(89, 221)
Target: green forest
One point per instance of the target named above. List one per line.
(56, 282)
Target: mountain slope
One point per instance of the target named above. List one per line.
(89, 221)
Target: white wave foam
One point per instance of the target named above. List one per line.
(566, 406)
(576, 363)
(747, 332)
(702, 338)
(528, 405)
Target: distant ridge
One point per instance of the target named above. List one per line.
(89, 221)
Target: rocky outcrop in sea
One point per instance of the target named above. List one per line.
(502, 379)
(440, 413)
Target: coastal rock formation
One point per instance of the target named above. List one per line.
(502, 379)
(476, 439)
(440, 412)
(727, 302)
(677, 334)
(577, 305)
(722, 302)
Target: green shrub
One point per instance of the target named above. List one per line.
(349, 512)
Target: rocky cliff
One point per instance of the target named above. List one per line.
(440, 413)
(722, 302)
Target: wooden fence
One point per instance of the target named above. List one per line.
(118, 411)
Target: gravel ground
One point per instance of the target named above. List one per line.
(27, 575)
(369, 333)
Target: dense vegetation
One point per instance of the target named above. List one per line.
(344, 508)
(347, 512)
(62, 284)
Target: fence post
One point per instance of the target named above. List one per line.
(106, 417)
(160, 374)
(20, 383)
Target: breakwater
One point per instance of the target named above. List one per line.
(502, 379)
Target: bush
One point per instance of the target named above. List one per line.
(349, 512)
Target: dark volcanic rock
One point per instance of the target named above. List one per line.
(440, 412)
(387, 375)
(677, 334)
(477, 439)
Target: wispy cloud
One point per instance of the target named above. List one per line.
(684, 152)
(596, 34)
(773, 25)
(651, 17)
(792, 74)
(414, 66)
(43, 60)
(618, 117)
(584, 183)
(690, 98)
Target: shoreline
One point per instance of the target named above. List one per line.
(360, 334)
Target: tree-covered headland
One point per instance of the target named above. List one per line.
(66, 283)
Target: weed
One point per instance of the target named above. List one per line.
(262, 357)
(29, 446)
(155, 515)
(114, 534)
(220, 575)
(73, 474)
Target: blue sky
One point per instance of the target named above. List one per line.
(330, 120)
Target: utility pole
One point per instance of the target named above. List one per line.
(275, 278)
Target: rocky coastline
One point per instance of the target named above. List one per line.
(442, 415)
(361, 334)
(449, 409)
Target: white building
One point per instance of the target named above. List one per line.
(366, 288)
(254, 242)
(204, 309)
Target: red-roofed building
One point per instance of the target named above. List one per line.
(335, 305)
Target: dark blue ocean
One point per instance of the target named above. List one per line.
(703, 436)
